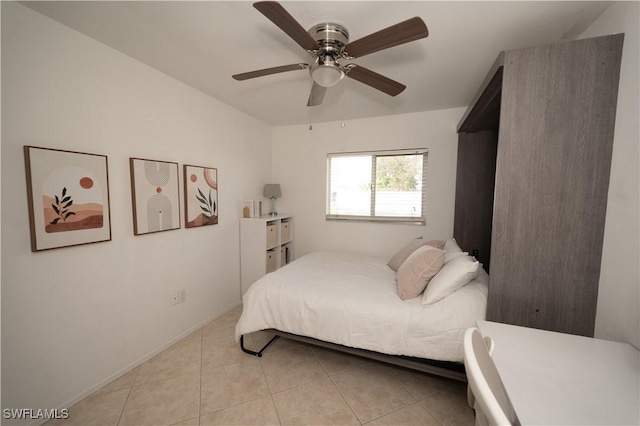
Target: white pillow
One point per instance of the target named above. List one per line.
(452, 250)
(450, 255)
(453, 275)
(452, 245)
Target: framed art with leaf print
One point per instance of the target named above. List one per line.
(68, 198)
(154, 194)
(200, 196)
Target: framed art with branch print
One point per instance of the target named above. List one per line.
(68, 198)
(154, 195)
(200, 196)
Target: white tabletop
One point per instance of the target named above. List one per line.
(563, 379)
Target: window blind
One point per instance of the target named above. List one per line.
(381, 186)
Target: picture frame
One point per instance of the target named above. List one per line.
(200, 196)
(67, 197)
(155, 195)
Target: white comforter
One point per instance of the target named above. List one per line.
(351, 300)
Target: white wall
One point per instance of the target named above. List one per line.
(618, 314)
(299, 165)
(74, 317)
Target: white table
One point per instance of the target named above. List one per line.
(563, 379)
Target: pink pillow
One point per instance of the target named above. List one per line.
(415, 272)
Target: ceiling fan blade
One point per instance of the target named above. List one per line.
(269, 71)
(375, 80)
(404, 32)
(317, 95)
(279, 16)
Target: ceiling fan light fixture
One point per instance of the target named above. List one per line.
(327, 75)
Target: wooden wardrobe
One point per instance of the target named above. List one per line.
(534, 158)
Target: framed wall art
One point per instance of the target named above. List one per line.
(68, 198)
(200, 196)
(154, 194)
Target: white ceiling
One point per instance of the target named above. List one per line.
(203, 43)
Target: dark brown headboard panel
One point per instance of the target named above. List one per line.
(475, 182)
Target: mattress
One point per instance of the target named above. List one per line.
(351, 300)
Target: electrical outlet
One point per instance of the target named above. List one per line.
(182, 296)
(174, 298)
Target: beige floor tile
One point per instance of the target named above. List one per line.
(291, 367)
(232, 384)
(163, 402)
(214, 329)
(225, 323)
(414, 414)
(419, 384)
(205, 379)
(315, 403)
(223, 350)
(195, 336)
(257, 412)
(450, 406)
(371, 391)
(123, 382)
(191, 422)
(337, 362)
(183, 357)
(102, 409)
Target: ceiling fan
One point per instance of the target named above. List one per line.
(328, 44)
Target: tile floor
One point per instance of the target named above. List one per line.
(205, 379)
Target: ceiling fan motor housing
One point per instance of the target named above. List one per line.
(332, 38)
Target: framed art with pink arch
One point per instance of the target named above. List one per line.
(200, 196)
(68, 198)
(154, 195)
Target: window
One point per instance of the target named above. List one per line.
(381, 186)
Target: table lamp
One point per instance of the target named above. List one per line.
(272, 191)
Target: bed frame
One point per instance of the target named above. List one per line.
(451, 370)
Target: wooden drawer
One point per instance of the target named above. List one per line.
(271, 261)
(272, 236)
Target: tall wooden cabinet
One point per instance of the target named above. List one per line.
(266, 244)
(533, 175)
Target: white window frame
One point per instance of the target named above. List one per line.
(416, 220)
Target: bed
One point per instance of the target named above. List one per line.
(350, 302)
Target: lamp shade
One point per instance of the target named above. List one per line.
(272, 190)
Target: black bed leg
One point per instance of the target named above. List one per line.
(254, 353)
